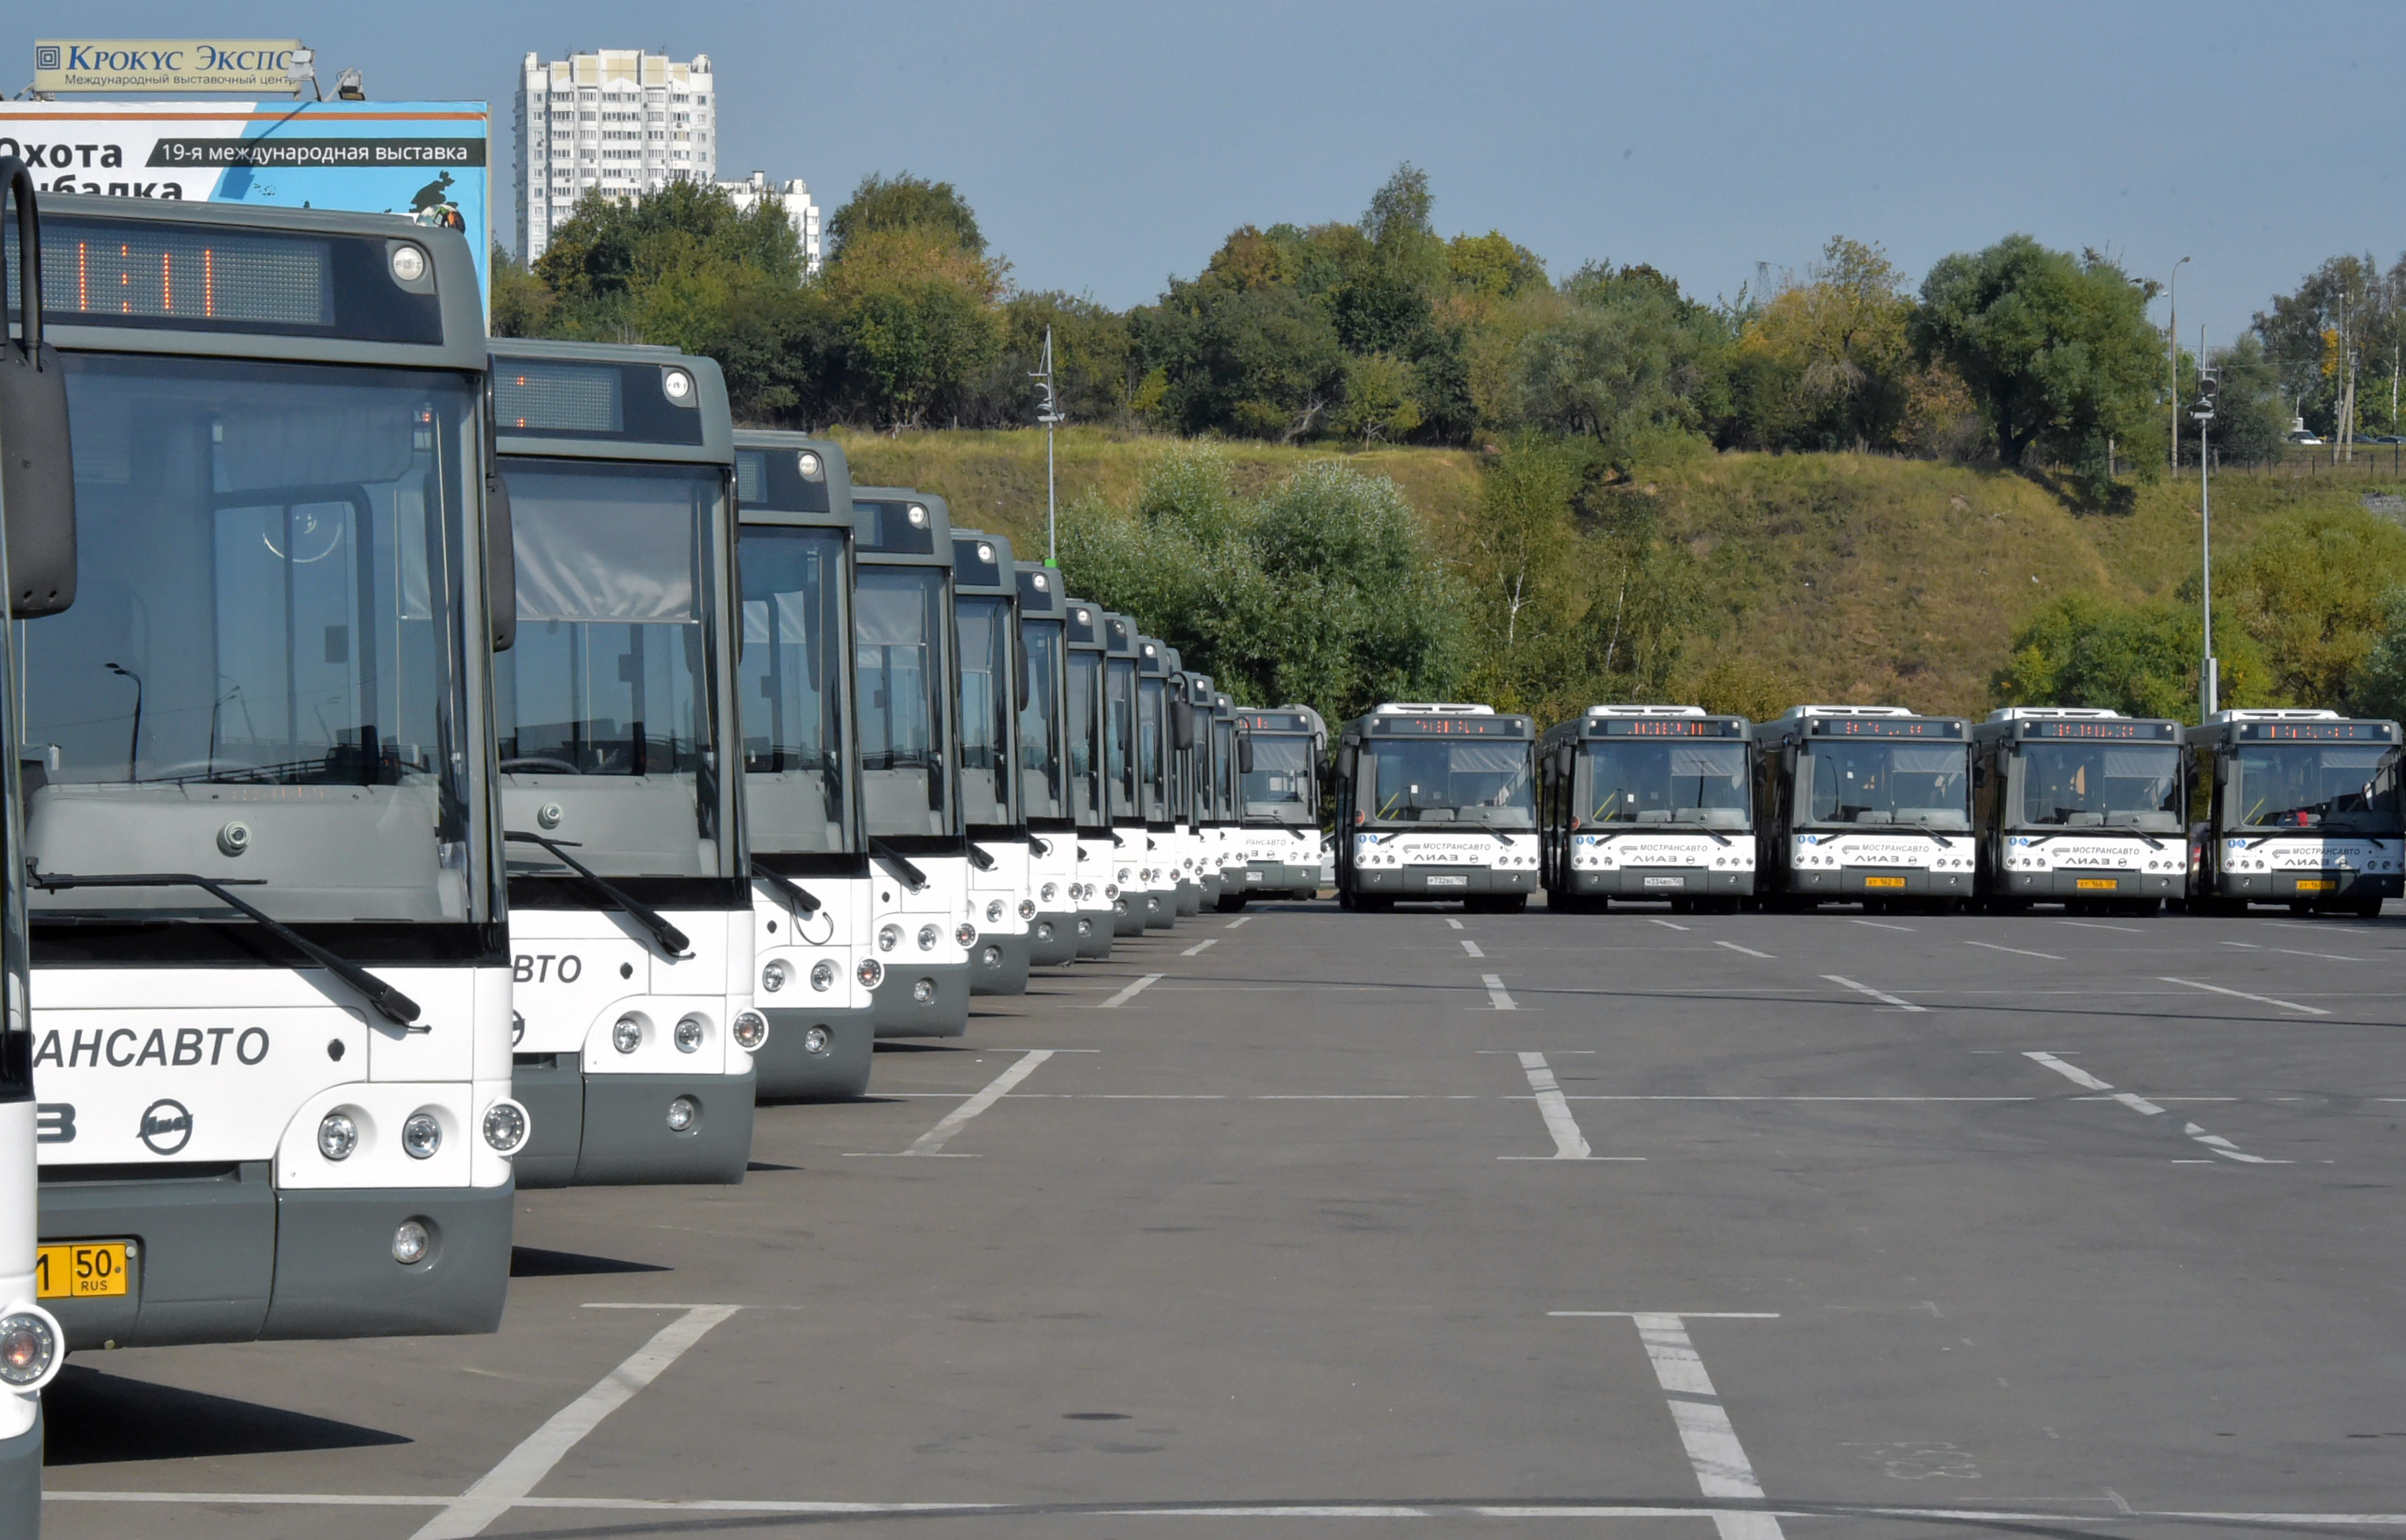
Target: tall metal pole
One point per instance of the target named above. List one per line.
(2209, 683)
(1050, 414)
(2172, 343)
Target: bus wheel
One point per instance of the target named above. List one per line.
(2303, 912)
(1364, 904)
(2368, 909)
(1231, 902)
(2141, 909)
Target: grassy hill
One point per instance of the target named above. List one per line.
(1840, 577)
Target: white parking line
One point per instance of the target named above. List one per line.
(2243, 994)
(2015, 950)
(1471, 947)
(2146, 1109)
(1242, 919)
(1866, 989)
(1496, 994)
(1131, 992)
(1569, 1143)
(1747, 950)
(1454, 923)
(932, 1142)
(1876, 925)
(1200, 946)
(2091, 925)
(1722, 1469)
(1665, 924)
(523, 1468)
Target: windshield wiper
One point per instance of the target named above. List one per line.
(982, 861)
(2154, 843)
(672, 939)
(391, 1003)
(804, 904)
(1042, 847)
(1657, 828)
(2323, 831)
(895, 858)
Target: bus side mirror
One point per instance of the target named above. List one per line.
(1019, 668)
(1181, 725)
(502, 562)
(1245, 754)
(1345, 761)
(1563, 762)
(37, 457)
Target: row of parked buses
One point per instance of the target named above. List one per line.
(1873, 805)
(446, 764)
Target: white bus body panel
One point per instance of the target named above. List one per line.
(998, 962)
(942, 902)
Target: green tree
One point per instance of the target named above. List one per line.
(1630, 364)
(2081, 650)
(2056, 348)
(2378, 687)
(2312, 589)
(1825, 364)
(907, 326)
(1521, 561)
(905, 202)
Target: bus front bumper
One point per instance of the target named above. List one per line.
(785, 1070)
(1095, 929)
(899, 1013)
(1438, 884)
(1660, 882)
(226, 1257)
(1856, 885)
(614, 1130)
(1282, 877)
(2074, 884)
(999, 965)
(2345, 886)
(1053, 938)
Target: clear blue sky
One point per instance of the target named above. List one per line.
(1105, 147)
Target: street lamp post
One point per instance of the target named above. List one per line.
(1049, 414)
(2209, 683)
(2172, 343)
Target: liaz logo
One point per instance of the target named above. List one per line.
(167, 1126)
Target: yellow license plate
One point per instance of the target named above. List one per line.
(1883, 882)
(80, 1270)
(2316, 885)
(2097, 882)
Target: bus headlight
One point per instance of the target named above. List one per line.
(409, 262)
(814, 1041)
(889, 938)
(775, 976)
(505, 1126)
(422, 1136)
(684, 1115)
(871, 973)
(29, 1347)
(688, 1035)
(823, 975)
(337, 1135)
(993, 912)
(924, 991)
(1047, 892)
(928, 938)
(966, 934)
(751, 1028)
(1027, 905)
(411, 1242)
(1112, 890)
(626, 1035)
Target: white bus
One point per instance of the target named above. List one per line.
(269, 941)
(910, 762)
(993, 687)
(631, 890)
(1279, 757)
(1162, 839)
(1134, 858)
(811, 903)
(1226, 847)
(1436, 801)
(2080, 806)
(1092, 781)
(1863, 804)
(1652, 803)
(2302, 808)
(38, 572)
(1044, 771)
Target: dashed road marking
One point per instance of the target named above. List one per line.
(1877, 925)
(1454, 923)
(1131, 992)
(1241, 919)
(1200, 946)
(2018, 952)
(1496, 994)
(1665, 924)
(2243, 994)
(1721, 1467)
(2146, 1109)
(1866, 989)
(2091, 925)
(1747, 950)
(523, 1469)
(1569, 1143)
(931, 1143)
(1471, 947)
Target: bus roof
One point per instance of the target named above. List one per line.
(794, 478)
(1429, 708)
(897, 525)
(1040, 589)
(982, 564)
(610, 401)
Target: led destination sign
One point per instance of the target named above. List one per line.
(2317, 732)
(1273, 721)
(1887, 726)
(2117, 732)
(1666, 727)
(1450, 726)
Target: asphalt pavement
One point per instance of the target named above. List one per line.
(1304, 1223)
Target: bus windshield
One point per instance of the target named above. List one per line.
(606, 706)
(2337, 787)
(1223, 762)
(791, 690)
(1666, 783)
(269, 638)
(1278, 786)
(1119, 751)
(1440, 781)
(1149, 756)
(2073, 785)
(986, 707)
(897, 626)
(1870, 781)
(1042, 794)
(1086, 738)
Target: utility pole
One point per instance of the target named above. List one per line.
(2209, 683)
(2171, 346)
(1048, 412)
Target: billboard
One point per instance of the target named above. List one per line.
(425, 161)
(164, 63)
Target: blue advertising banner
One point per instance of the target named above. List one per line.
(423, 161)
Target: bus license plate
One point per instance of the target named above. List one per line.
(80, 1271)
(1666, 882)
(2097, 882)
(2316, 885)
(1440, 879)
(1883, 882)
